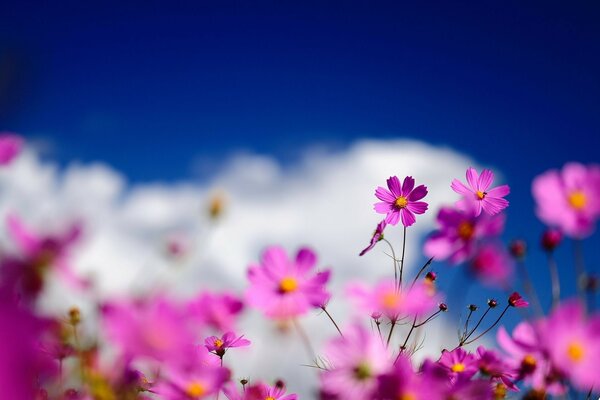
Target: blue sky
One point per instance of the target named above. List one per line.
(164, 91)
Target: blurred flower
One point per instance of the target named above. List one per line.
(217, 310)
(492, 365)
(515, 300)
(216, 205)
(492, 265)
(459, 230)
(10, 147)
(569, 199)
(356, 360)
(551, 238)
(192, 384)
(403, 383)
(459, 362)
(377, 236)
(478, 196)
(284, 288)
(401, 202)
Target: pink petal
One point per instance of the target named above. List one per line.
(408, 185)
(394, 185)
(438, 246)
(575, 175)
(305, 259)
(408, 218)
(485, 180)
(382, 208)
(393, 217)
(27, 241)
(418, 207)
(384, 195)
(493, 205)
(460, 188)
(472, 178)
(275, 258)
(418, 193)
(499, 191)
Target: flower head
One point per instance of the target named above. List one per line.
(491, 265)
(478, 195)
(284, 288)
(198, 383)
(217, 310)
(459, 362)
(401, 202)
(219, 345)
(569, 199)
(377, 236)
(515, 300)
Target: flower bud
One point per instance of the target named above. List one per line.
(431, 276)
(443, 307)
(492, 303)
(517, 248)
(551, 238)
(472, 307)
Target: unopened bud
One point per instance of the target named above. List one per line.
(518, 248)
(492, 303)
(443, 307)
(551, 239)
(472, 307)
(431, 276)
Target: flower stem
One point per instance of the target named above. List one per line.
(488, 329)
(468, 335)
(332, 320)
(305, 339)
(402, 259)
(423, 268)
(553, 268)
(393, 321)
(393, 258)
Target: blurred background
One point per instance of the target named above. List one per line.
(139, 114)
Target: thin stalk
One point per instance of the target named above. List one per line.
(305, 339)
(393, 258)
(580, 268)
(554, 278)
(423, 268)
(490, 328)
(428, 319)
(402, 259)
(529, 289)
(393, 321)
(468, 335)
(332, 320)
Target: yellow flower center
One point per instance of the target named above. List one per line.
(288, 285)
(458, 367)
(466, 229)
(480, 194)
(401, 202)
(529, 361)
(390, 300)
(407, 396)
(218, 343)
(362, 371)
(269, 398)
(577, 200)
(575, 351)
(195, 390)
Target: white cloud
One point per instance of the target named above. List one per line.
(325, 201)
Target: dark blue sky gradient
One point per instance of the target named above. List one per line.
(153, 87)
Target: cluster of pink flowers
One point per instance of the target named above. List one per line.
(156, 347)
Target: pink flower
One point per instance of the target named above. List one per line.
(515, 300)
(356, 361)
(403, 383)
(385, 298)
(217, 310)
(569, 199)
(459, 362)
(490, 364)
(284, 288)
(492, 266)
(478, 195)
(574, 344)
(10, 147)
(377, 236)
(459, 231)
(261, 391)
(192, 384)
(219, 345)
(401, 202)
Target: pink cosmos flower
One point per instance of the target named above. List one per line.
(219, 345)
(284, 288)
(478, 195)
(492, 365)
(459, 231)
(574, 344)
(492, 266)
(377, 236)
(515, 300)
(403, 383)
(10, 147)
(258, 391)
(217, 310)
(401, 202)
(569, 199)
(356, 361)
(385, 298)
(192, 384)
(459, 362)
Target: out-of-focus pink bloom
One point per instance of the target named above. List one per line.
(377, 236)
(356, 361)
(10, 147)
(177, 245)
(569, 199)
(401, 203)
(403, 383)
(154, 328)
(219, 345)
(459, 231)
(574, 344)
(385, 298)
(515, 300)
(490, 364)
(261, 391)
(478, 195)
(492, 265)
(217, 310)
(551, 238)
(459, 362)
(192, 384)
(284, 288)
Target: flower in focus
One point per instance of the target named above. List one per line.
(515, 300)
(459, 362)
(478, 195)
(217, 310)
(401, 203)
(573, 344)
(284, 288)
(356, 361)
(10, 147)
(492, 265)
(459, 231)
(385, 298)
(569, 199)
(219, 345)
(377, 236)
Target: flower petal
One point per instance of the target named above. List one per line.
(418, 193)
(460, 187)
(384, 195)
(408, 185)
(485, 180)
(418, 207)
(408, 218)
(499, 191)
(472, 178)
(394, 185)
(382, 208)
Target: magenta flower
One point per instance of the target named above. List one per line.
(403, 383)
(262, 391)
(284, 288)
(492, 266)
(574, 344)
(10, 147)
(217, 310)
(459, 231)
(478, 195)
(569, 199)
(219, 345)
(192, 384)
(377, 236)
(515, 300)
(490, 364)
(459, 362)
(385, 298)
(401, 202)
(356, 361)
